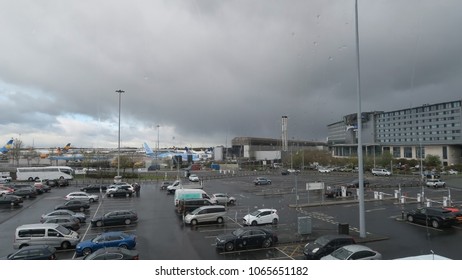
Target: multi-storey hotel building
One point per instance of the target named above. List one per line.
(410, 133)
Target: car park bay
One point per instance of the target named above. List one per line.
(161, 234)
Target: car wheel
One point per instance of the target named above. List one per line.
(229, 246)
(193, 222)
(269, 183)
(12, 203)
(99, 223)
(435, 224)
(128, 221)
(61, 178)
(266, 243)
(254, 223)
(111, 195)
(231, 202)
(82, 209)
(275, 221)
(86, 251)
(91, 200)
(127, 195)
(27, 196)
(65, 245)
(410, 219)
(220, 220)
(123, 246)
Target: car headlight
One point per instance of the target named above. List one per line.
(315, 250)
(220, 240)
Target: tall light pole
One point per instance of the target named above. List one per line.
(362, 217)
(119, 91)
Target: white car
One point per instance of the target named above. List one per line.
(82, 196)
(112, 188)
(435, 183)
(324, 170)
(453, 172)
(353, 252)
(193, 178)
(261, 216)
(222, 198)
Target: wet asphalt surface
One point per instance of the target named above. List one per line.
(161, 234)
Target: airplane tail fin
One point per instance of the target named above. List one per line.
(147, 149)
(7, 146)
(67, 147)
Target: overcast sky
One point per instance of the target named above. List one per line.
(206, 71)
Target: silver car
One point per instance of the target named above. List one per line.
(64, 212)
(82, 196)
(222, 198)
(353, 252)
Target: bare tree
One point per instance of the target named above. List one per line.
(16, 151)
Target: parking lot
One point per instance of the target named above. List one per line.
(162, 235)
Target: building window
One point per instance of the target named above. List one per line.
(445, 152)
(408, 152)
(396, 152)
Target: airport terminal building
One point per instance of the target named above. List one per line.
(270, 149)
(409, 133)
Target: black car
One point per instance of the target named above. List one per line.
(325, 245)
(10, 199)
(355, 184)
(74, 205)
(335, 191)
(432, 216)
(113, 253)
(118, 217)
(120, 192)
(285, 172)
(34, 252)
(63, 182)
(94, 188)
(165, 184)
(26, 192)
(248, 237)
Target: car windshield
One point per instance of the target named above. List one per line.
(195, 211)
(322, 241)
(341, 254)
(255, 213)
(238, 232)
(63, 230)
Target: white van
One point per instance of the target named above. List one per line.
(185, 194)
(54, 235)
(213, 213)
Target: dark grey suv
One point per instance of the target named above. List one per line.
(325, 245)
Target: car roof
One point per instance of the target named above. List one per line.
(114, 233)
(356, 247)
(336, 236)
(211, 206)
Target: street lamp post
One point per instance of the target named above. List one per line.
(119, 91)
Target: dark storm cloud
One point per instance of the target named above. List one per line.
(208, 71)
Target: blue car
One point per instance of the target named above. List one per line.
(107, 239)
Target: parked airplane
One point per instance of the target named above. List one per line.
(169, 154)
(59, 151)
(7, 146)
